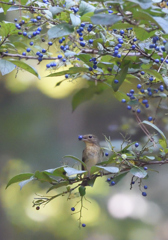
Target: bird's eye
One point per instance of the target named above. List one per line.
(90, 136)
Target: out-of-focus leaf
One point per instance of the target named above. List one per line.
(60, 30)
(18, 178)
(162, 22)
(71, 70)
(121, 75)
(105, 19)
(75, 20)
(25, 66)
(119, 177)
(155, 74)
(109, 169)
(23, 183)
(138, 172)
(54, 10)
(85, 8)
(72, 171)
(85, 94)
(163, 143)
(57, 172)
(6, 67)
(156, 128)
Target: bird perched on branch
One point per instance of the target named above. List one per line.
(92, 154)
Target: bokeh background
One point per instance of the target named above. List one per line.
(37, 128)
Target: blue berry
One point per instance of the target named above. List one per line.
(135, 39)
(72, 209)
(106, 154)
(59, 56)
(121, 31)
(112, 183)
(119, 45)
(116, 81)
(150, 118)
(145, 168)
(144, 101)
(83, 225)
(147, 105)
(60, 40)
(132, 91)
(63, 38)
(82, 24)
(23, 53)
(31, 43)
(90, 25)
(89, 29)
(48, 65)
(142, 90)
(81, 38)
(43, 50)
(80, 137)
(157, 60)
(64, 59)
(66, 76)
(90, 41)
(40, 55)
(50, 43)
(40, 59)
(139, 86)
(144, 194)
(133, 182)
(37, 53)
(28, 49)
(129, 107)
(133, 47)
(80, 34)
(138, 110)
(38, 17)
(145, 187)
(110, 11)
(151, 79)
(24, 33)
(108, 179)
(136, 144)
(123, 101)
(142, 72)
(90, 68)
(39, 29)
(82, 44)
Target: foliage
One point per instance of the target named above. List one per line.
(108, 43)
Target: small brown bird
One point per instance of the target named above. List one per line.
(92, 154)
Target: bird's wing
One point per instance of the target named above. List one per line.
(83, 160)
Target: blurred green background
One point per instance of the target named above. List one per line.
(37, 128)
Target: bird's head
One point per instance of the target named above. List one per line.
(90, 139)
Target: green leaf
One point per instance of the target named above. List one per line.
(25, 66)
(76, 159)
(6, 67)
(58, 185)
(91, 181)
(105, 19)
(18, 178)
(57, 172)
(138, 172)
(42, 177)
(86, 17)
(4, 6)
(119, 177)
(156, 128)
(72, 171)
(155, 74)
(75, 20)
(150, 157)
(7, 29)
(60, 30)
(121, 75)
(85, 94)
(85, 8)
(163, 143)
(71, 70)
(82, 191)
(55, 10)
